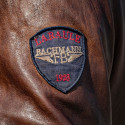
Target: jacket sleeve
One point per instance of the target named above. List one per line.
(25, 96)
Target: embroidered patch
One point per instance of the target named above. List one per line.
(59, 56)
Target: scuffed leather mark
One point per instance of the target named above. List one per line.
(34, 12)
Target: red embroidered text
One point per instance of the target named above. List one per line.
(62, 77)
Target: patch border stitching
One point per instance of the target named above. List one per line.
(34, 62)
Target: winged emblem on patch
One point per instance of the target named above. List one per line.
(56, 55)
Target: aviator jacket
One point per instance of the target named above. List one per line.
(27, 97)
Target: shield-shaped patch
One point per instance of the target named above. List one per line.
(59, 56)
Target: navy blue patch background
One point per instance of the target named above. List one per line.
(48, 70)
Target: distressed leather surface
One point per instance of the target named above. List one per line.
(117, 77)
(27, 99)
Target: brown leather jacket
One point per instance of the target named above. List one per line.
(98, 98)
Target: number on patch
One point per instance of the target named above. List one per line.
(64, 77)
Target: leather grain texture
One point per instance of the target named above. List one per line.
(27, 99)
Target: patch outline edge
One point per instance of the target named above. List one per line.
(37, 68)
